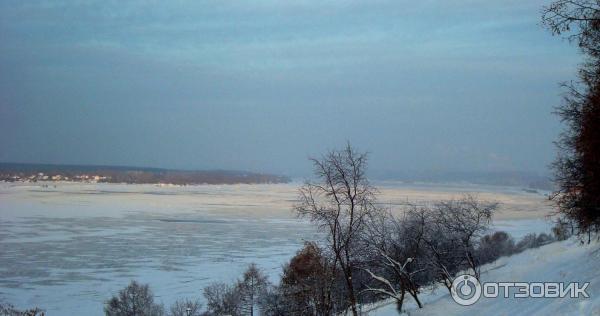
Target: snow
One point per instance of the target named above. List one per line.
(67, 247)
(566, 261)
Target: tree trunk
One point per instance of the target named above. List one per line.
(448, 285)
(416, 297)
(351, 293)
(400, 301)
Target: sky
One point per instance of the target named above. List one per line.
(263, 85)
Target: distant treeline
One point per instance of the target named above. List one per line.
(526, 179)
(122, 174)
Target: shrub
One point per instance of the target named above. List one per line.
(494, 246)
(533, 240)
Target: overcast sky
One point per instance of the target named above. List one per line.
(262, 85)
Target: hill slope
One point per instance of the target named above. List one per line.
(565, 261)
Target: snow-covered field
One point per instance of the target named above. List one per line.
(566, 261)
(67, 247)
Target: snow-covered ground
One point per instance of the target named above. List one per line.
(566, 261)
(67, 247)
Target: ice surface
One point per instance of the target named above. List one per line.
(67, 247)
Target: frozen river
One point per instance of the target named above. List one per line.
(68, 247)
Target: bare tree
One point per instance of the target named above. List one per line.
(186, 307)
(274, 303)
(465, 220)
(396, 249)
(443, 259)
(222, 299)
(240, 298)
(449, 234)
(579, 19)
(252, 288)
(427, 244)
(340, 202)
(134, 300)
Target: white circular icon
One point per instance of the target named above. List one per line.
(466, 290)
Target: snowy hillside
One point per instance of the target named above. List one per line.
(566, 261)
